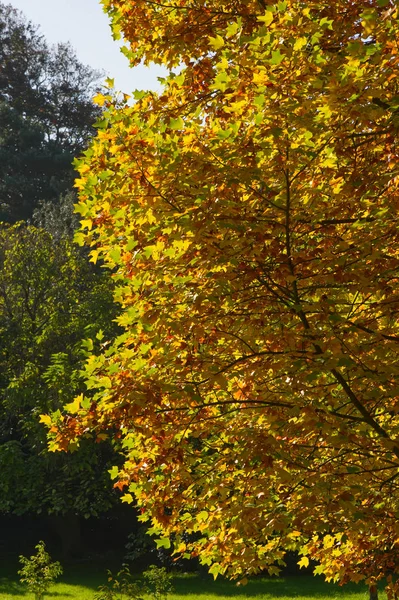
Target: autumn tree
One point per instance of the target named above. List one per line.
(249, 215)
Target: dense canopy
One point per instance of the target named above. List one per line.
(249, 214)
(50, 301)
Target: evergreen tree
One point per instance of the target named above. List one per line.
(46, 115)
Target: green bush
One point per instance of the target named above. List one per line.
(38, 572)
(158, 582)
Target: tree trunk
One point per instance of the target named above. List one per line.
(373, 591)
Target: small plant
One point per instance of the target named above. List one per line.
(120, 586)
(38, 572)
(157, 584)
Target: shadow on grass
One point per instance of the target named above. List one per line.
(90, 577)
(204, 586)
(13, 588)
(275, 587)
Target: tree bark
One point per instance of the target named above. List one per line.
(373, 591)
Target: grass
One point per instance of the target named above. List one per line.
(81, 584)
(287, 588)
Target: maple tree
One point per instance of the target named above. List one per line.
(249, 215)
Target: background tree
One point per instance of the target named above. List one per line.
(46, 115)
(50, 301)
(59, 218)
(249, 213)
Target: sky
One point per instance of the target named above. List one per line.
(83, 23)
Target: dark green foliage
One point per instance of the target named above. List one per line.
(140, 545)
(31, 168)
(22, 57)
(50, 300)
(58, 218)
(46, 116)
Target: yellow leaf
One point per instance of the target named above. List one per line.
(295, 533)
(99, 99)
(267, 18)
(328, 541)
(304, 562)
(300, 43)
(84, 169)
(86, 224)
(216, 42)
(74, 406)
(127, 498)
(46, 419)
(94, 256)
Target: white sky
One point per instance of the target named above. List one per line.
(83, 23)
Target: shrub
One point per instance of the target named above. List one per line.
(38, 572)
(157, 584)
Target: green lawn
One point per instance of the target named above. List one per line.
(82, 584)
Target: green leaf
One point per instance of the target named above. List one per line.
(114, 472)
(215, 570)
(232, 29)
(115, 255)
(260, 100)
(176, 123)
(202, 516)
(101, 123)
(163, 543)
(277, 57)
(222, 81)
(86, 403)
